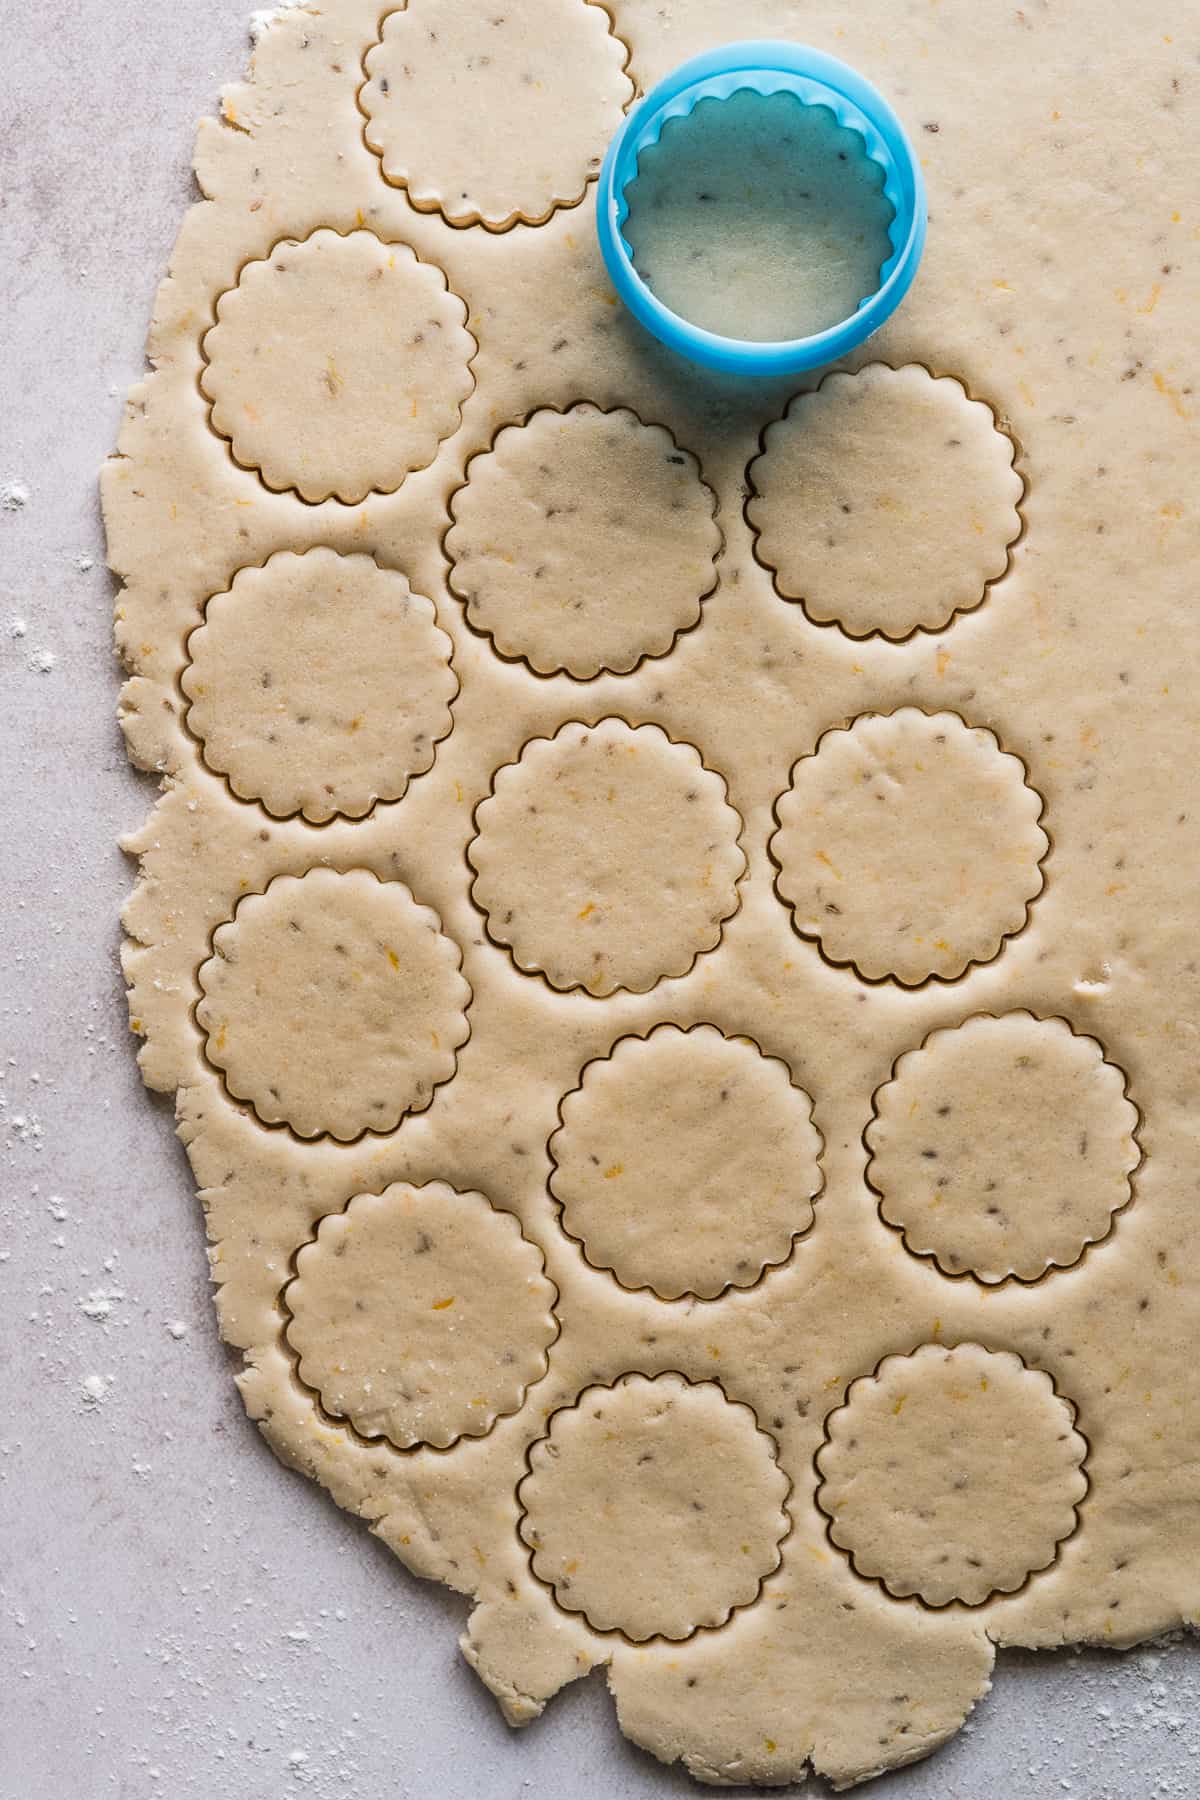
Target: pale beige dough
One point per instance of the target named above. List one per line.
(917, 1474)
(333, 1003)
(583, 541)
(854, 846)
(1003, 1147)
(487, 121)
(886, 501)
(759, 217)
(606, 857)
(686, 1162)
(337, 365)
(1061, 283)
(420, 1315)
(654, 1507)
(319, 684)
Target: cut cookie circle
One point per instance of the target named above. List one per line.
(420, 1315)
(337, 366)
(885, 501)
(1003, 1147)
(686, 1162)
(606, 857)
(319, 684)
(951, 1474)
(908, 846)
(655, 1507)
(583, 541)
(307, 976)
(468, 107)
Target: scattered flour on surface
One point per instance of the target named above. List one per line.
(17, 628)
(262, 20)
(14, 496)
(177, 1328)
(42, 661)
(95, 1389)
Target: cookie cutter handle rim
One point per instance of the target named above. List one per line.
(766, 66)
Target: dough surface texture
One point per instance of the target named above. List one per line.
(758, 1001)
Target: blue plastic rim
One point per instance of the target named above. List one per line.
(766, 67)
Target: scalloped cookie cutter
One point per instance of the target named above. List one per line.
(766, 66)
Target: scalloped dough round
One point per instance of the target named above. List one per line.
(654, 1507)
(421, 1315)
(309, 975)
(319, 684)
(583, 541)
(909, 846)
(1003, 1146)
(486, 120)
(337, 365)
(917, 1473)
(885, 500)
(607, 857)
(686, 1162)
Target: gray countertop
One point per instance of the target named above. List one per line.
(181, 1618)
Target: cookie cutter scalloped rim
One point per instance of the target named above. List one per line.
(766, 66)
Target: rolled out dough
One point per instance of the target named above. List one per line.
(854, 802)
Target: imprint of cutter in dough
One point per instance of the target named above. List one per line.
(337, 365)
(319, 684)
(420, 1314)
(686, 1162)
(606, 857)
(1003, 1146)
(333, 1004)
(485, 122)
(885, 501)
(908, 846)
(654, 1507)
(583, 541)
(916, 1474)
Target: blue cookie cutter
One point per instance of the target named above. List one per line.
(766, 66)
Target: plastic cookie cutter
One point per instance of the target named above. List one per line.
(766, 67)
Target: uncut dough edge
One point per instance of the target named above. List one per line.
(799, 1678)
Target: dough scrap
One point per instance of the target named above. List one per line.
(654, 1507)
(686, 1162)
(916, 1474)
(886, 501)
(420, 1315)
(337, 365)
(909, 846)
(470, 113)
(606, 857)
(583, 541)
(312, 973)
(319, 684)
(1003, 1147)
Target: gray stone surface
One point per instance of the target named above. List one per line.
(180, 1618)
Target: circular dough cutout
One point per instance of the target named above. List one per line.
(333, 1004)
(909, 846)
(885, 501)
(583, 541)
(654, 1507)
(337, 366)
(1003, 1147)
(494, 114)
(951, 1474)
(420, 1315)
(606, 857)
(686, 1162)
(319, 684)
